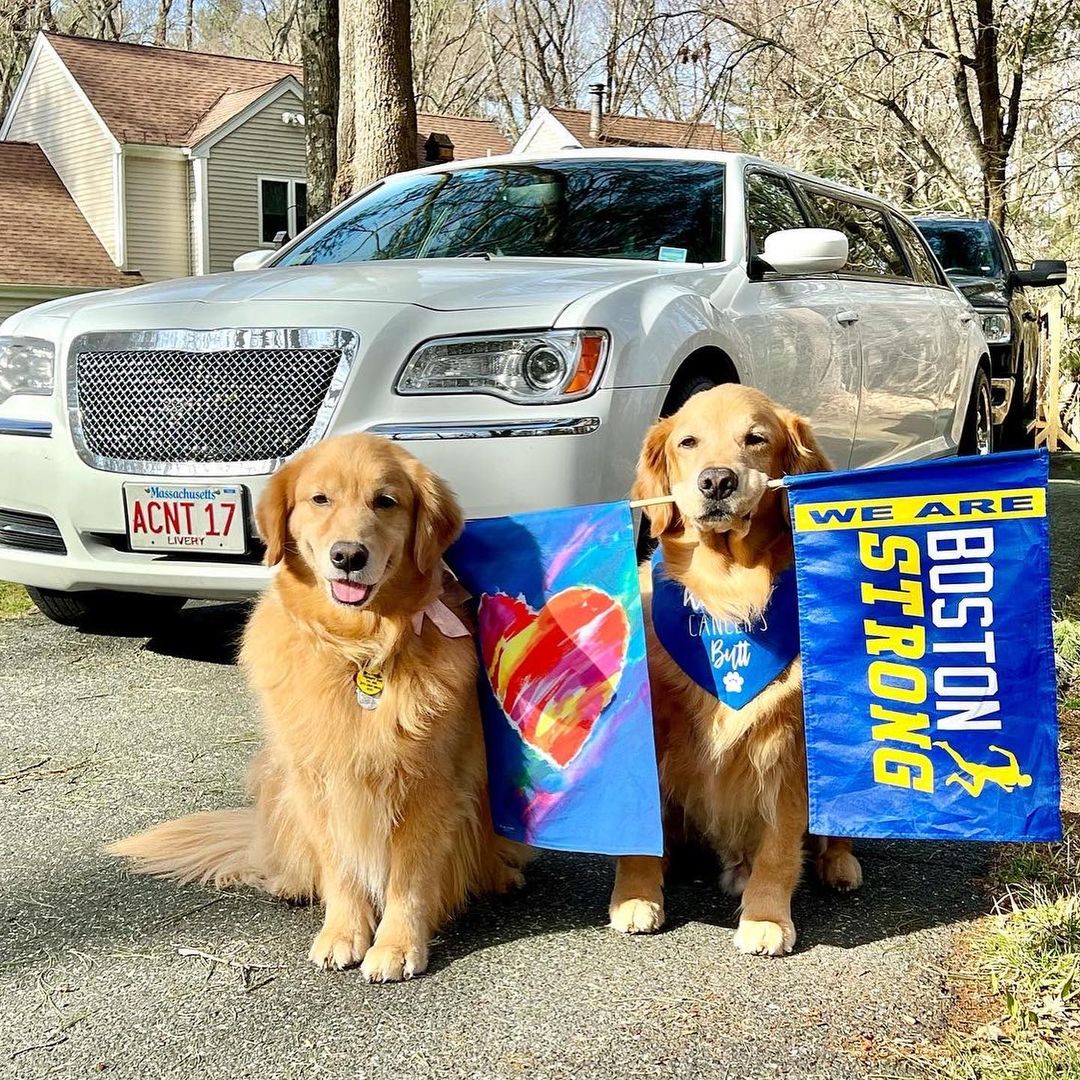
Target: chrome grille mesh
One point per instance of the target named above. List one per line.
(239, 408)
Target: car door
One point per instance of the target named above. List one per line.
(900, 332)
(797, 347)
(954, 313)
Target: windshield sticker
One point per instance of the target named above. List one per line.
(672, 254)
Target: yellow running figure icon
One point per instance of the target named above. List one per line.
(1005, 776)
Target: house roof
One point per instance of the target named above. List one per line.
(471, 136)
(147, 94)
(46, 240)
(172, 97)
(620, 130)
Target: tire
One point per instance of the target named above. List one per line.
(977, 439)
(684, 389)
(1014, 430)
(132, 613)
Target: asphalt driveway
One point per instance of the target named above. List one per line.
(105, 974)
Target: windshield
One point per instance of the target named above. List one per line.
(645, 210)
(963, 247)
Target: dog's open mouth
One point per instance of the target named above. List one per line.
(353, 593)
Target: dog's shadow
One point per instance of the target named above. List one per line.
(100, 909)
(908, 887)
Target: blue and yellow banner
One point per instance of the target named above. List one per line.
(927, 650)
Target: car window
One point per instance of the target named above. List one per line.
(871, 247)
(922, 262)
(770, 207)
(965, 248)
(671, 211)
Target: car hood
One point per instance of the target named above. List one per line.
(982, 292)
(436, 284)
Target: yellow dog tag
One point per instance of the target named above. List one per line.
(369, 687)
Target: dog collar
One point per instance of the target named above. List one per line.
(733, 661)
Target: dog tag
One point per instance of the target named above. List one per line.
(369, 687)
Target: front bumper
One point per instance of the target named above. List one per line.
(535, 461)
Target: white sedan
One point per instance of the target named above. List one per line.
(517, 322)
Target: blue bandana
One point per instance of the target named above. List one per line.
(731, 660)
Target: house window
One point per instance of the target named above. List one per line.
(282, 208)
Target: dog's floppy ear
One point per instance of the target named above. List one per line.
(272, 514)
(803, 455)
(652, 479)
(439, 519)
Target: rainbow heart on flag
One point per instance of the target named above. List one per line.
(555, 670)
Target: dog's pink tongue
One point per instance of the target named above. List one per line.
(350, 592)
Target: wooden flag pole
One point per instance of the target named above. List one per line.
(636, 504)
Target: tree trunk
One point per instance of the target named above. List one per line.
(375, 45)
(189, 25)
(161, 29)
(319, 49)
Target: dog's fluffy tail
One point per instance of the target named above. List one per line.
(212, 848)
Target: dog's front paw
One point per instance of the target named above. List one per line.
(337, 949)
(838, 868)
(636, 916)
(765, 938)
(393, 963)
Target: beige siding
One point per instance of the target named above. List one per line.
(21, 299)
(52, 114)
(193, 225)
(263, 146)
(10, 304)
(156, 197)
(549, 138)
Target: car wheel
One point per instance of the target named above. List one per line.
(1014, 430)
(133, 613)
(683, 390)
(977, 439)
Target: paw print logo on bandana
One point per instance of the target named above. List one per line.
(733, 682)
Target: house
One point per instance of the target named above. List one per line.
(180, 161)
(52, 251)
(553, 129)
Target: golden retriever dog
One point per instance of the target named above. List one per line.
(370, 792)
(736, 777)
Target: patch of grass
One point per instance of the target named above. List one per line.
(13, 601)
(1023, 963)
(1067, 650)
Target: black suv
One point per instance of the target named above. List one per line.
(980, 262)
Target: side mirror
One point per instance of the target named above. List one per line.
(1044, 274)
(253, 260)
(805, 251)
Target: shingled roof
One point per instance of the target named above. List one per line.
(46, 240)
(620, 130)
(172, 97)
(147, 94)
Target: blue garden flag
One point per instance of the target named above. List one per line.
(927, 650)
(564, 688)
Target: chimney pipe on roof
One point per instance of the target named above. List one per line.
(596, 111)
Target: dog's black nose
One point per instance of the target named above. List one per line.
(717, 483)
(349, 556)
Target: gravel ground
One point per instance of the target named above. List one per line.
(100, 735)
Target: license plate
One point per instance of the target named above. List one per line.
(185, 517)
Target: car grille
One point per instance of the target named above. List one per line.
(226, 402)
(30, 532)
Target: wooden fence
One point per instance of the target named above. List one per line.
(1057, 424)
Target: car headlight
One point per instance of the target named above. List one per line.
(527, 368)
(26, 366)
(997, 329)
